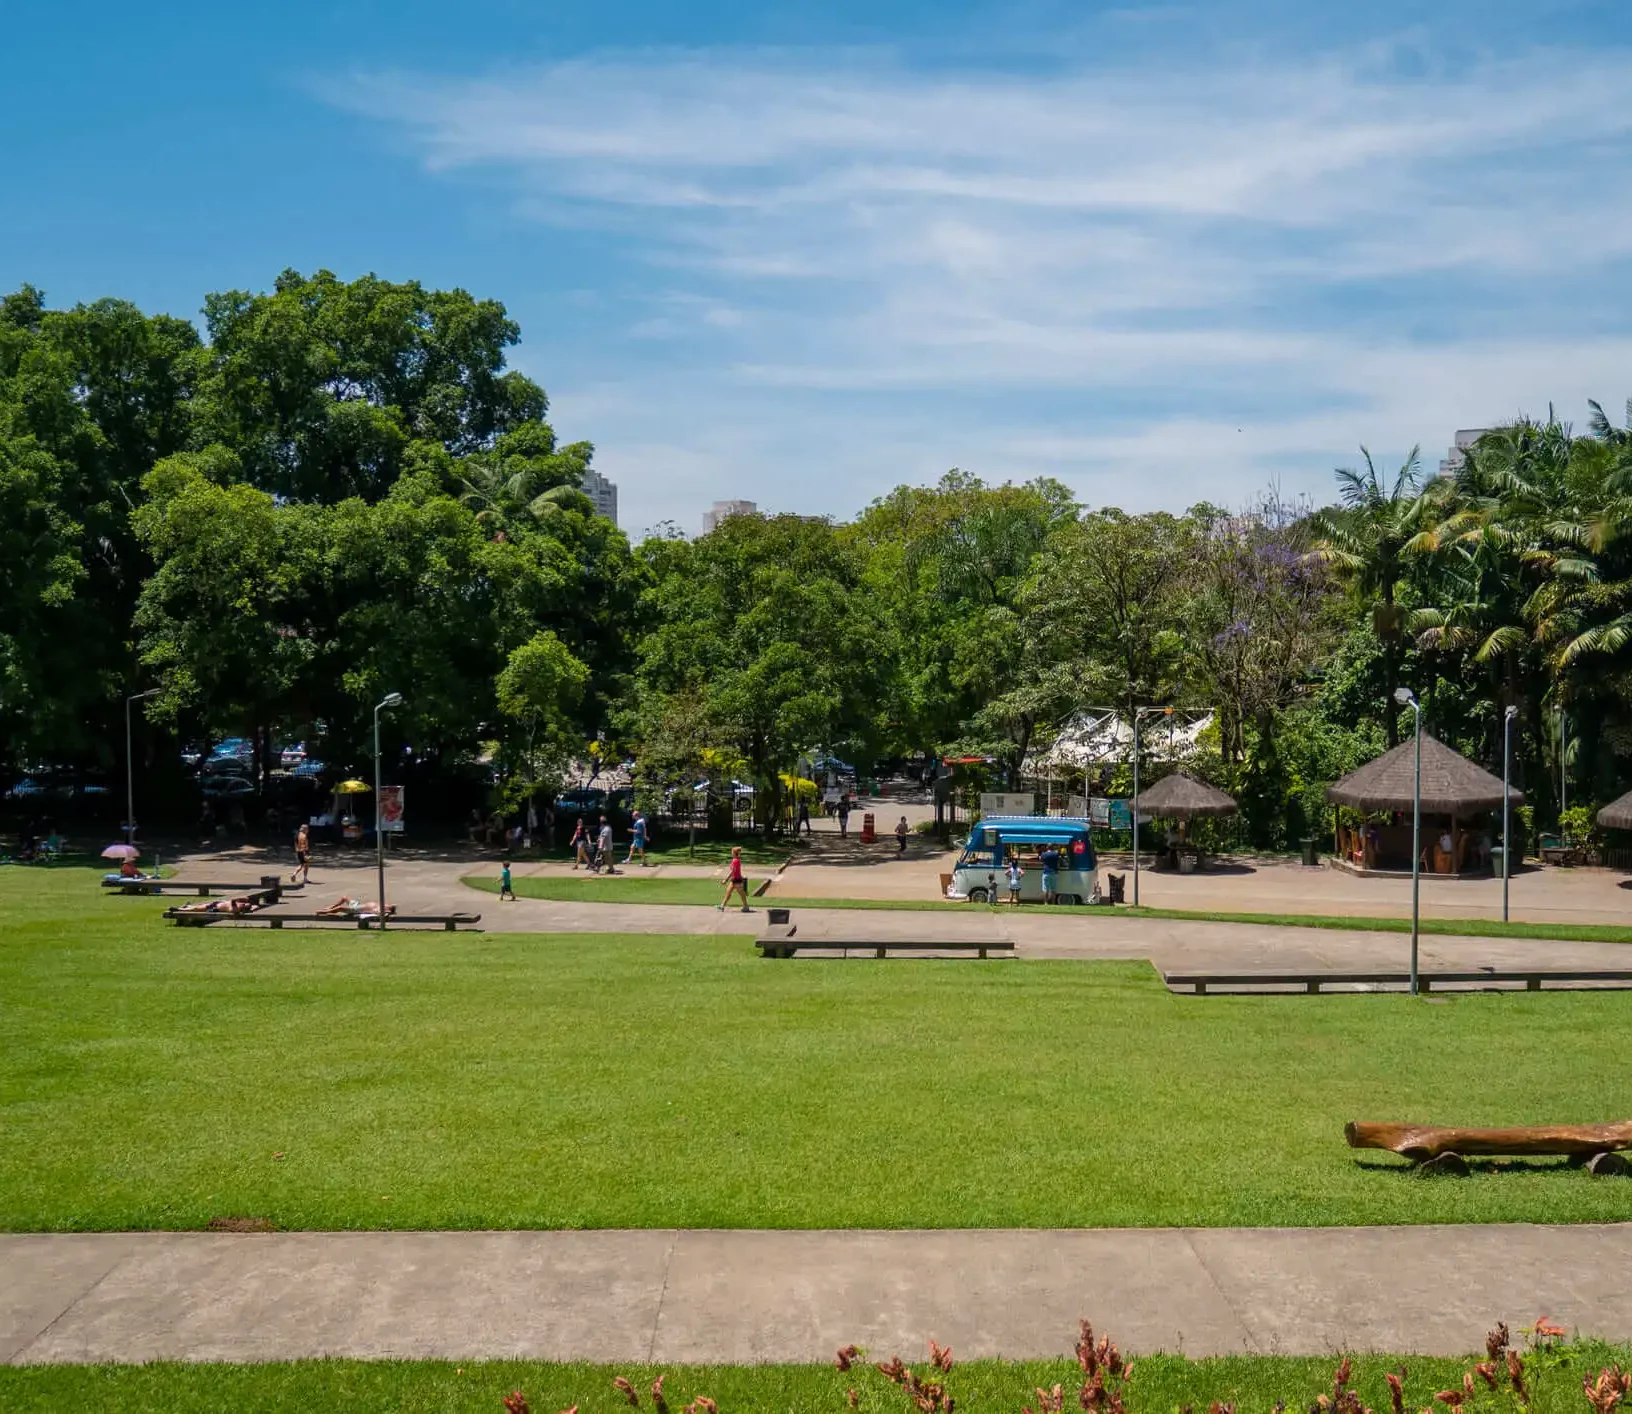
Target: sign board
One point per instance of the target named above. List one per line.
(390, 810)
(1013, 803)
(1076, 806)
(1110, 814)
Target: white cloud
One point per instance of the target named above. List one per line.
(1101, 273)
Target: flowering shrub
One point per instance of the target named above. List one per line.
(1505, 1382)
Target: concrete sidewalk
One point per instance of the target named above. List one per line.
(692, 1297)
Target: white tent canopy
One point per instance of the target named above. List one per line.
(1098, 738)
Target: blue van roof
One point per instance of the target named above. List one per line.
(1065, 827)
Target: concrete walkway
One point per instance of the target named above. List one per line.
(1170, 944)
(700, 1297)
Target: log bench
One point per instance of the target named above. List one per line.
(1533, 978)
(449, 922)
(1442, 1149)
(781, 940)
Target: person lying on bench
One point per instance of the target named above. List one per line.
(342, 907)
(235, 906)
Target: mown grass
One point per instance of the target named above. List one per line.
(633, 888)
(1160, 1383)
(154, 1077)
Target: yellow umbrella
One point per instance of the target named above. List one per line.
(353, 788)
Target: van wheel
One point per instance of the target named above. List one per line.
(978, 895)
(1075, 900)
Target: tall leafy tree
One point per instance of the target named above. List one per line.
(1368, 538)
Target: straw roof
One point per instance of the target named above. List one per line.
(1617, 815)
(1178, 797)
(1451, 784)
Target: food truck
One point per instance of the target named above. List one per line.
(981, 872)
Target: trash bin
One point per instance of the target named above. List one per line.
(1496, 853)
(1310, 858)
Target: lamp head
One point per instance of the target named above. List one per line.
(1403, 696)
(1512, 712)
(151, 692)
(391, 699)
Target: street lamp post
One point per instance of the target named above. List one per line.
(1507, 807)
(130, 769)
(1139, 713)
(1406, 698)
(1563, 778)
(391, 699)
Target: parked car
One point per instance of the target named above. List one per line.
(234, 748)
(292, 755)
(226, 785)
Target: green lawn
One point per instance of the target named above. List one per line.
(1159, 1384)
(154, 1077)
(636, 888)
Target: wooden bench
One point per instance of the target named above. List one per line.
(780, 941)
(1441, 1149)
(269, 884)
(449, 922)
(1534, 979)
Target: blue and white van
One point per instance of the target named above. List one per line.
(981, 873)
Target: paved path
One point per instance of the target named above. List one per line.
(699, 1297)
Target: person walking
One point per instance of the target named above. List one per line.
(735, 883)
(901, 832)
(604, 858)
(844, 817)
(303, 855)
(505, 891)
(637, 840)
(579, 845)
(804, 818)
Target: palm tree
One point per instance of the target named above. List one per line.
(1370, 539)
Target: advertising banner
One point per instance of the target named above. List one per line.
(390, 810)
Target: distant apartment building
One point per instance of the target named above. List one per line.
(603, 493)
(1465, 438)
(722, 511)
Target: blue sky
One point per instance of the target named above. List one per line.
(804, 252)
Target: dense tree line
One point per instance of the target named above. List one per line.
(333, 490)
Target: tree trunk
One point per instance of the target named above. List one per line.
(1423, 1141)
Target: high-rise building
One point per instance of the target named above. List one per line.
(603, 493)
(1465, 438)
(722, 511)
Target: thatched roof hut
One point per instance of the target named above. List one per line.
(1451, 784)
(1180, 797)
(1617, 815)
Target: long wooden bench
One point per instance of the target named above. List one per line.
(449, 922)
(1533, 978)
(1445, 1149)
(268, 884)
(781, 941)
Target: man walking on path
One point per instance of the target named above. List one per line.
(505, 891)
(579, 845)
(604, 857)
(804, 818)
(637, 840)
(844, 817)
(735, 883)
(901, 832)
(303, 855)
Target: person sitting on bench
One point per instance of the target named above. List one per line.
(235, 906)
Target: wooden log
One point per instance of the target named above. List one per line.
(1425, 1141)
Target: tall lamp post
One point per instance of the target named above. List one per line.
(1406, 698)
(1563, 775)
(130, 768)
(391, 699)
(1507, 807)
(1139, 714)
